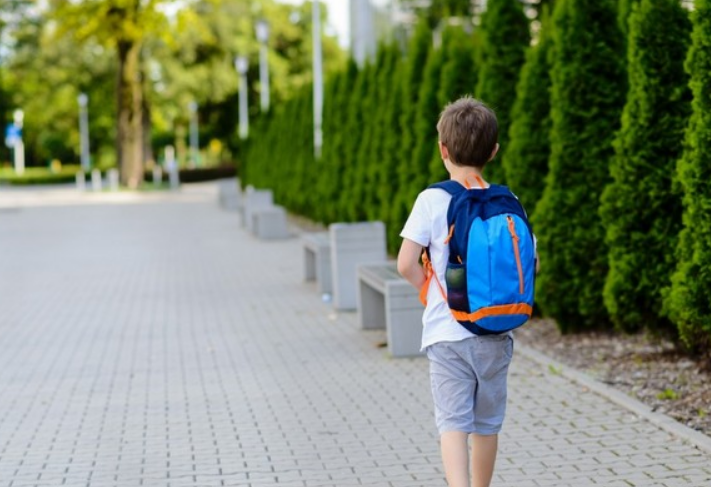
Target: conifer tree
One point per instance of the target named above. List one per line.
(642, 217)
(289, 172)
(299, 188)
(390, 164)
(382, 176)
(335, 145)
(417, 53)
(457, 78)
(587, 83)
(439, 9)
(505, 37)
(372, 106)
(526, 160)
(624, 9)
(688, 302)
(355, 131)
(428, 110)
(330, 127)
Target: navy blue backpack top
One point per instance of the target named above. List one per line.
(492, 259)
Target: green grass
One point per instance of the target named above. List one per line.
(668, 395)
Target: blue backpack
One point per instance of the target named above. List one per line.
(492, 259)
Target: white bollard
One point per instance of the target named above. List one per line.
(172, 166)
(113, 179)
(157, 175)
(174, 179)
(81, 181)
(96, 180)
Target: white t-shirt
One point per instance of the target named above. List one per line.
(427, 226)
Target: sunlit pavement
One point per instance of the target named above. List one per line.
(149, 340)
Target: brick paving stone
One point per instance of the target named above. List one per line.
(148, 340)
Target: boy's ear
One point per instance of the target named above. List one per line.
(493, 153)
(443, 151)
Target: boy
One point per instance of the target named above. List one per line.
(467, 372)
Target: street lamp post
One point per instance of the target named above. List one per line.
(83, 101)
(194, 137)
(263, 36)
(242, 65)
(318, 78)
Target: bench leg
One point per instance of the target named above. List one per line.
(323, 272)
(309, 265)
(371, 308)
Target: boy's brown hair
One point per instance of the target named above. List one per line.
(469, 130)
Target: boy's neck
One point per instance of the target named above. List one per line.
(467, 176)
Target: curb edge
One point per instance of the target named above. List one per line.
(697, 439)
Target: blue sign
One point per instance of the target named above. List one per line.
(13, 134)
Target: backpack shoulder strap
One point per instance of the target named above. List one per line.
(450, 186)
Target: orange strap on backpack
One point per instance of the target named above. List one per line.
(427, 263)
(429, 273)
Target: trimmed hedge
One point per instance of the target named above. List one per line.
(587, 94)
(688, 302)
(641, 215)
(198, 175)
(39, 176)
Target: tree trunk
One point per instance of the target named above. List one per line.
(129, 141)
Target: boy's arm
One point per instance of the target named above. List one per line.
(408, 263)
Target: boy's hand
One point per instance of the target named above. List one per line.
(408, 263)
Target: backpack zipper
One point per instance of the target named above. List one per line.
(517, 254)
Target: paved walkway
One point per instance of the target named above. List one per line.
(151, 341)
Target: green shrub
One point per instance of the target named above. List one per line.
(642, 217)
(505, 37)
(587, 95)
(688, 303)
(526, 160)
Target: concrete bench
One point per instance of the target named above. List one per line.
(317, 260)
(386, 300)
(269, 223)
(253, 200)
(230, 194)
(353, 244)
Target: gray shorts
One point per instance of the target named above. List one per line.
(468, 380)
